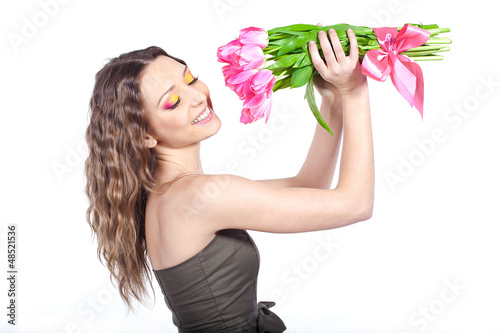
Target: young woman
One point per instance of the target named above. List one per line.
(149, 198)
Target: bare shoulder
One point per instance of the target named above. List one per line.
(174, 232)
(187, 199)
(224, 201)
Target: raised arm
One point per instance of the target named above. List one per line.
(321, 160)
(356, 172)
(319, 166)
(236, 202)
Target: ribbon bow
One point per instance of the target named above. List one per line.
(406, 75)
(268, 321)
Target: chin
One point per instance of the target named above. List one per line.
(215, 128)
(211, 128)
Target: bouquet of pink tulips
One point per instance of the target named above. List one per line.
(261, 62)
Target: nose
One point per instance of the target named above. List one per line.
(196, 96)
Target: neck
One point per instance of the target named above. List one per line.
(173, 162)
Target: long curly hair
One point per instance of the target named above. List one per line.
(119, 171)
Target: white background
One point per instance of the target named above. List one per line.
(430, 247)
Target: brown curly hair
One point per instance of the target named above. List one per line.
(119, 170)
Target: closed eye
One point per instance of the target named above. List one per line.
(193, 81)
(190, 79)
(175, 104)
(172, 102)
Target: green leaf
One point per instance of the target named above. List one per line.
(283, 83)
(301, 76)
(293, 28)
(281, 72)
(306, 61)
(278, 36)
(311, 100)
(285, 61)
(342, 28)
(294, 44)
(281, 41)
(270, 50)
(299, 60)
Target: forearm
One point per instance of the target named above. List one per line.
(319, 166)
(356, 171)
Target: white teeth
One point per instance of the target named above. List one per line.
(203, 116)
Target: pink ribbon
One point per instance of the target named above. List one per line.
(406, 74)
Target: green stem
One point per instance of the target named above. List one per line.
(417, 54)
(435, 40)
(432, 28)
(443, 30)
(428, 47)
(429, 57)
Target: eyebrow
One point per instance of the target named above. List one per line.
(171, 87)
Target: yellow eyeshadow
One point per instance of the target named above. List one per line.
(189, 77)
(172, 99)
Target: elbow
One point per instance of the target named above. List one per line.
(359, 206)
(368, 208)
(364, 211)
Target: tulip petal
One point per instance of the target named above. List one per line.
(263, 81)
(250, 57)
(254, 36)
(226, 53)
(242, 76)
(254, 100)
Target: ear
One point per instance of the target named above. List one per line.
(150, 142)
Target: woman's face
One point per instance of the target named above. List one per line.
(175, 101)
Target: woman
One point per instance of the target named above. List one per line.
(149, 198)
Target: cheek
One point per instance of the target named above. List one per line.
(166, 126)
(171, 123)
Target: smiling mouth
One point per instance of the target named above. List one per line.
(202, 116)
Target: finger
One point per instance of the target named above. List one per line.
(354, 52)
(318, 63)
(327, 49)
(337, 46)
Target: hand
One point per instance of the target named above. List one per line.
(340, 70)
(329, 93)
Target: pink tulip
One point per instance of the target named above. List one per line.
(263, 82)
(241, 82)
(242, 76)
(254, 36)
(227, 52)
(249, 57)
(246, 116)
(243, 90)
(244, 56)
(255, 107)
(229, 71)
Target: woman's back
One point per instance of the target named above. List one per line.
(214, 289)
